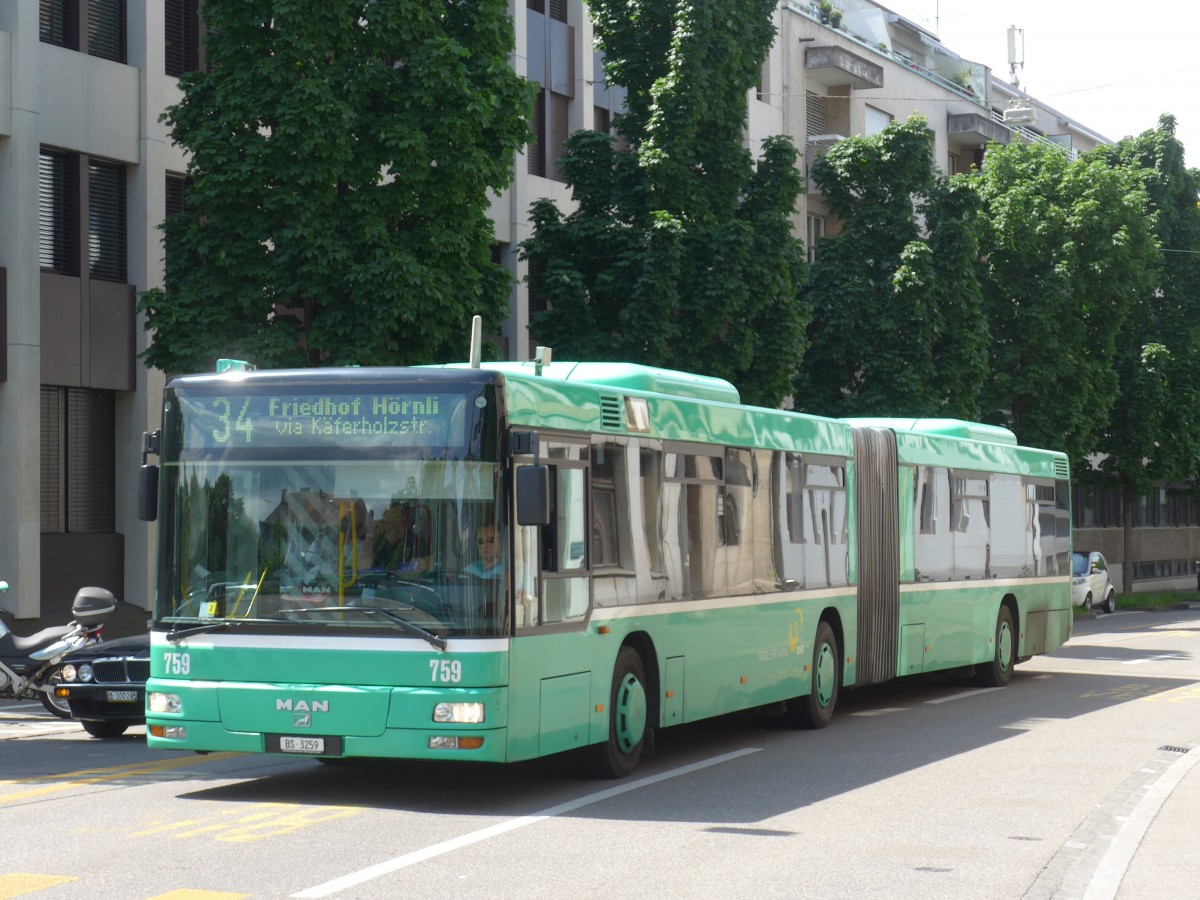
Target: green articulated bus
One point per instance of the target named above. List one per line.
(505, 561)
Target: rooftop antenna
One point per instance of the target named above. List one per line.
(1016, 52)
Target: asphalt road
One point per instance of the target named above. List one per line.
(1072, 782)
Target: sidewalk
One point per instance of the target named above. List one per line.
(1156, 853)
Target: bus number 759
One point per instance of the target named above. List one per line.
(445, 670)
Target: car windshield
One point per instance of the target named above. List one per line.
(1079, 563)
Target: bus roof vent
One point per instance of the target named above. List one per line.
(612, 413)
(1062, 468)
(631, 377)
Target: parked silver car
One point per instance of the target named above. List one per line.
(1090, 585)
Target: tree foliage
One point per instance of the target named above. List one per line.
(897, 324)
(1153, 433)
(341, 155)
(680, 250)
(1070, 254)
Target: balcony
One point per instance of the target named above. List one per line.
(975, 128)
(838, 67)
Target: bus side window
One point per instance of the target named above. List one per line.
(565, 585)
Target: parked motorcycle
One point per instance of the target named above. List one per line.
(29, 666)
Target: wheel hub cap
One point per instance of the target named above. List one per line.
(629, 716)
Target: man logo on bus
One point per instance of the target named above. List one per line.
(301, 706)
(302, 720)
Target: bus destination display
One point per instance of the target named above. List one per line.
(226, 421)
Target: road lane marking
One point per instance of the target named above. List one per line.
(409, 859)
(974, 692)
(191, 894)
(1156, 658)
(98, 776)
(19, 883)
(1109, 874)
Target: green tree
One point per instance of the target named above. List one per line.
(1069, 255)
(1153, 434)
(341, 155)
(897, 325)
(680, 250)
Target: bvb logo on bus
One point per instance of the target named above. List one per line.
(794, 632)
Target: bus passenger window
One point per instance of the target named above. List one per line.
(570, 551)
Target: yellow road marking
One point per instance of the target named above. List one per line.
(264, 820)
(96, 776)
(19, 883)
(1127, 692)
(1176, 695)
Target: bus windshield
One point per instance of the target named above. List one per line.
(357, 511)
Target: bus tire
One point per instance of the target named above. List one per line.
(816, 709)
(998, 672)
(628, 719)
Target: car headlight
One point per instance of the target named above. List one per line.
(85, 672)
(69, 673)
(158, 702)
(469, 713)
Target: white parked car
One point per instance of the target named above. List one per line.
(1090, 585)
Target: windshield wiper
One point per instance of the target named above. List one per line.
(403, 624)
(175, 635)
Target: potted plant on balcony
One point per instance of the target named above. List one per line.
(964, 80)
(824, 11)
(835, 18)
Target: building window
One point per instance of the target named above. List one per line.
(95, 27)
(560, 130)
(553, 66)
(182, 36)
(106, 29)
(550, 124)
(814, 114)
(78, 460)
(106, 221)
(58, 194)
(537, 146)
(58, 23)
(875, 120)
(816, 231)
(59, 210)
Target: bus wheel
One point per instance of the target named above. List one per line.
(617, 756)
(998, 672)
(816, 710)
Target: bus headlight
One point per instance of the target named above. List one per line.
(466, 713)
(163, 703)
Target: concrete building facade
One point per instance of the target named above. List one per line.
(87, 172)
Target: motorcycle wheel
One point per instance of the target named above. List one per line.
(56, 705)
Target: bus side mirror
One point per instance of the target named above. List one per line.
(533, 495)
(148, 493)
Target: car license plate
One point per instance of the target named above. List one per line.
(121, 696)
(290, 744)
